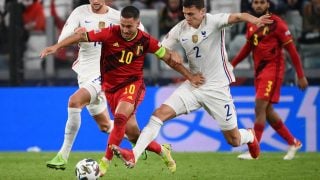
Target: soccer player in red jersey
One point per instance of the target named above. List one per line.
(121, 65)
(266, 44)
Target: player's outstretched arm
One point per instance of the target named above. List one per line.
(246, 17)
(174, 60)
(78, 36)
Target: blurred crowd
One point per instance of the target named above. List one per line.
(34, 14)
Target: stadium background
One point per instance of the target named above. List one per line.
(34, 93)
(34, 119)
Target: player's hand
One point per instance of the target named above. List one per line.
(197, 80)
(80, 30)
(175, 57)
(303, 83)
(49, 50)
(263, 20)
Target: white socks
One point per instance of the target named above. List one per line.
(148, 134)
(71, 131)
(245, 136)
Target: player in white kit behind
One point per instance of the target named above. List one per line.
(202, 37)
(93, 16)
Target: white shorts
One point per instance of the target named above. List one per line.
(217, 102)
(98, 102)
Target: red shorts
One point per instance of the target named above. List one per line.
(132, 93)
(268, 88)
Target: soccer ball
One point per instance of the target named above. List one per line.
(87, 169)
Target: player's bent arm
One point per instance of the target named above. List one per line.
(246, 17)
(173, 59)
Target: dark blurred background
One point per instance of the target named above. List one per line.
(27, 26)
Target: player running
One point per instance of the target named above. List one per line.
(267, 44)
(122, 57)
(202, 37)
(93, 16)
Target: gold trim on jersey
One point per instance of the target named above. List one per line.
(289, 41)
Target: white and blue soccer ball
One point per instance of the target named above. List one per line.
(87, 169)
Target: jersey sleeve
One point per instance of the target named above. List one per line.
(283, 33)
(98, 35)
(172, 38)
(220, 20)
(154, 45)
(71, 24)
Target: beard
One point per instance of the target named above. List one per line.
(258, 14)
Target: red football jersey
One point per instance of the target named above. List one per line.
(122, 61)
(267, 47)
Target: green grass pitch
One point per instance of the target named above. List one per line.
(199, 166)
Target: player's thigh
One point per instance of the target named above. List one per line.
(183, 100)
(268, 88)
(219, 104)
(97, 98)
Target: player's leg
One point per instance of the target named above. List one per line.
(276, 123)
(76, 102)
(146, 141)
(133, 132)
(122, 105)
(219, 104)
(261, 117)
(259, 124)
(98, 110)
(180, 102)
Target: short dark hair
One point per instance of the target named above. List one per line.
(130, 12)
(199, 4)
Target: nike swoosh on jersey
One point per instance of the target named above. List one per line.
(183, 39)
(87, 21)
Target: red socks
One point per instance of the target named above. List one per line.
(154, 147)
(283, 131)
(116, 134)
(258, 129)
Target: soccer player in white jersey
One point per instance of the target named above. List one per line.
(202, 37)
(91, 16)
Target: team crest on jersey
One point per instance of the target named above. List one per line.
(102, 24)
(139, 50)
(195, 38)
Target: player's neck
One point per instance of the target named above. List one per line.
(102, 10)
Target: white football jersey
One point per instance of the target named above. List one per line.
(88, 62)
(204, 48)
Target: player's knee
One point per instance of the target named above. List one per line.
(75, 102)
(164, 112)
